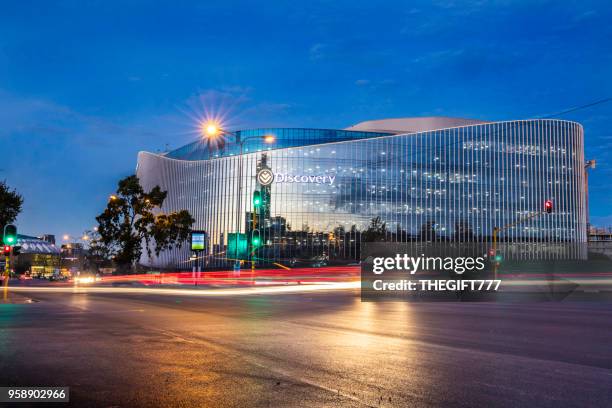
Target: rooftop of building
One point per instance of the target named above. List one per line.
(34, 245)
(412, 125)
(204, 149)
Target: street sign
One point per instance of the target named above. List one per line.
(198, 241)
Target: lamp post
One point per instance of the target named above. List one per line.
(212, 130)
(591, 164)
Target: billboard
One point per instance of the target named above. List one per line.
(198, 241)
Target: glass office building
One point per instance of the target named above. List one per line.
(326, 191)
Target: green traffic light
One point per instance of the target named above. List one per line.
(10, 234)
(257, 198)
(255, 239)
(498, 258)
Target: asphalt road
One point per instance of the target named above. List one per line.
(303, 350)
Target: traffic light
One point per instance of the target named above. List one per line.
(498, 258)
(6, 250)
(548, 206)
(10, 234)
(255, 239)
(257, 199)
(16, 249)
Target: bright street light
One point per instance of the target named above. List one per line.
(210, 129)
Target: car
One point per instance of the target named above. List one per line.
(87, 278)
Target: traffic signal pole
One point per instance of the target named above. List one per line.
(497, 230)
(255, 247)
(7, 260)
(10, 241)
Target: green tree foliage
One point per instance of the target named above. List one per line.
(10, 205)
(133, 222)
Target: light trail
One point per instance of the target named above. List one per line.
(557, 280)
(262, 290)
(509, 286)
(245, 277)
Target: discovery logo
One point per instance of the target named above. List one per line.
(266, 177)
(297, 178)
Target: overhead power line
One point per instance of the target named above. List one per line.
(588, 105)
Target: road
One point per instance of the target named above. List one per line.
(306, 349)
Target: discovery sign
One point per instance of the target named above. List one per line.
(265, 177)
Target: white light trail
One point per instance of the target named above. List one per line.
(267, 290)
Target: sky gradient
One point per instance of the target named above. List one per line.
(83, 88)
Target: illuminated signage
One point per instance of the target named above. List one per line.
(198, 241)
(265, 177)
(302, 178)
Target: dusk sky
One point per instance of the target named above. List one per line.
(83, 88)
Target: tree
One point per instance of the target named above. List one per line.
(10, 205)
(339, 233)
(377, 231)
(133, 221)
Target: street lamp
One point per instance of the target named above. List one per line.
(212, 130)
(590, 164)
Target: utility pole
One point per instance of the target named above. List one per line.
(588, 165)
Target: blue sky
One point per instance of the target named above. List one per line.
(84, 87)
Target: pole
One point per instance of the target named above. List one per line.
(6, 276)
(199, 263)
(495, 231)
(193, 272)
(586, 197)
(254, 249)
(238, 201)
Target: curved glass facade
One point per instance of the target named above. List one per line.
(453, 184)
(285, 137)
